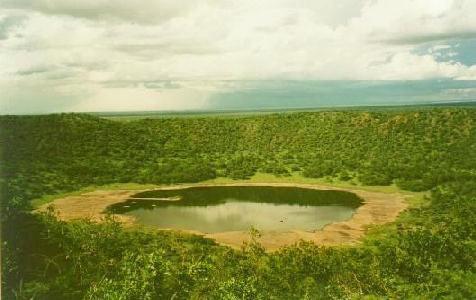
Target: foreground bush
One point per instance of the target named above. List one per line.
(433, 256)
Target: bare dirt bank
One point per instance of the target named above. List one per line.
(377, 208)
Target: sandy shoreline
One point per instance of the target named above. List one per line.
(377, 208)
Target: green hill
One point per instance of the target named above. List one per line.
(416, 149)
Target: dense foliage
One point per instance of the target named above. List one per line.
(417, 150)
(430, 254)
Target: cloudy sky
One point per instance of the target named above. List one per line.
(117, 55)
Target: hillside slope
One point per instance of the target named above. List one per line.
(416, 149)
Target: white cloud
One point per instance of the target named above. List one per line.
(140, 11)
(437, 48)
(122, 99)
(66, 44)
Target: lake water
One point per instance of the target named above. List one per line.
(230, 208)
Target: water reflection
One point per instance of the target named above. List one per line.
(217, 209)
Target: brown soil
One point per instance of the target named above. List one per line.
(377, 208)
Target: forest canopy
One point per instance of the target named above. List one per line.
(417, 150)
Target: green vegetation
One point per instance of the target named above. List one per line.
(430, 252)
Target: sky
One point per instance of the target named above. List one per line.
(121, 55)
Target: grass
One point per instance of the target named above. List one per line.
(374, 233)
(380, 232)
(298, 178)
(413, 198)
(114, 186)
